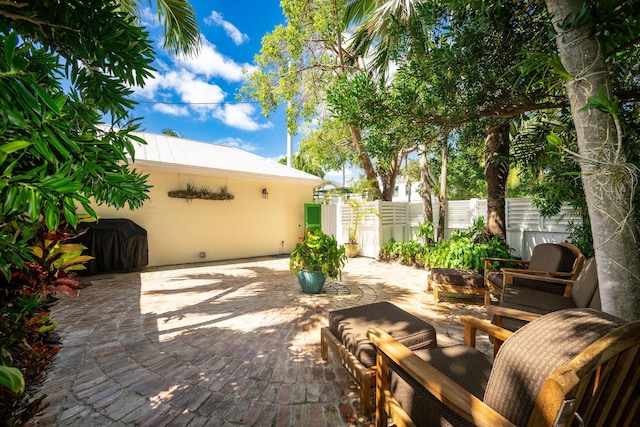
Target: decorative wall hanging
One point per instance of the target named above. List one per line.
(201, 193)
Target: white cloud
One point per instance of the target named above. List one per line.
(172, 110)
(236, 35)
(202, 99)
(149, 19)
(336, 177)
(211, 63)
(151, 86)
(193, 89)
(188, 87)
(239, 116)
(200, 94)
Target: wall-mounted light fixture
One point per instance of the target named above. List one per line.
(265, 193)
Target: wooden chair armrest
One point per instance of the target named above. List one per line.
(435, 382)
(472, 325)
(543, 273)
(513, 313)
(539, 276)
(517, 261)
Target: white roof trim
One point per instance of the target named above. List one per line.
(181, 155)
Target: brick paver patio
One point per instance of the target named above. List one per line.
(221, 344)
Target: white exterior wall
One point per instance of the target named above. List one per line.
(247, 226)
(401, 192)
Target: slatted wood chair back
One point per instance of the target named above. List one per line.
(569, 368)
(599, 387)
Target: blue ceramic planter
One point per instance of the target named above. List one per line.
(311, 282)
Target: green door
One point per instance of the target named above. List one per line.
(312, 216)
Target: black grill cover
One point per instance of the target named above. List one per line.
(116, 245)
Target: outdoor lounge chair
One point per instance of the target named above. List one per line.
(562, 260)
(570, 365)
(346, 336)
(519, 305)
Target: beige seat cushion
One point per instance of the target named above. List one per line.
(586, 284)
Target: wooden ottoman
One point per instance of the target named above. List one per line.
(457, 281)
(347, 338)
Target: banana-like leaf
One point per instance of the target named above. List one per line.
(12, 379)
(75, 261)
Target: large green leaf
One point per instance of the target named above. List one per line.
(12, 379)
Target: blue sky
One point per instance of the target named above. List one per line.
(196, 96)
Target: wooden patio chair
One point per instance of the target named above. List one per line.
(560, 260)
(518, 305)
(566, 368)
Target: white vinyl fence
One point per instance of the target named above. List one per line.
(525, 226)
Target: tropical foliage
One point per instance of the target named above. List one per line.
(66, 68)
(464, 249)
(318, 252)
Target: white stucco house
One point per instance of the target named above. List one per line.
(403, 192)
(265, 216)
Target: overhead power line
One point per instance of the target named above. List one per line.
(198, 103)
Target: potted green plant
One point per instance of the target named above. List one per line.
(314, 258)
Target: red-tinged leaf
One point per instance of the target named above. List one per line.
(67, 281)
(67, 290)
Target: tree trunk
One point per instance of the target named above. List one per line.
(606, 176)
(442, 196)
(367, 166)
(496, 172)
(389, 177)
(427, 185)
(426, 179)
(409, 183)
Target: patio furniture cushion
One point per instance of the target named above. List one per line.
(457, 277)
(552, 257)
(583, 295)
(548, 257)
(457, 281)
(350, 326)
(465, 365)
(527, 358)
(586, 284)
(545, 257)
(532, 301)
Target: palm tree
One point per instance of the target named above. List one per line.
(181, 30)
(373, 19)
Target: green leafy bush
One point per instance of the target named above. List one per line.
(580, 235)
(464, 249)
(318, 252)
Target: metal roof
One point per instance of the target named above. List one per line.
(169, 153)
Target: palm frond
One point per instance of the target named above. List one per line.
(182, 33)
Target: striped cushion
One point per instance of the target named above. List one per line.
(527, 358)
